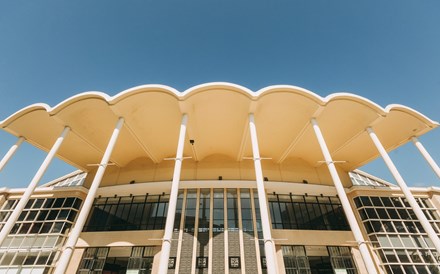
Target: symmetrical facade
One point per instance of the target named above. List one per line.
(218, 179)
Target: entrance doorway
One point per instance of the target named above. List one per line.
(320, 265)
(116, 265)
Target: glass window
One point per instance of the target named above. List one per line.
(190, 211)
(126, 213)
(178, 211)
(246, 211)
(402, 242)
(340, 257)
(307, 212)
(295, 259)
(232, 209)
(218, 218)
(204, 210)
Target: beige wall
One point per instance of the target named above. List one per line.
(211, 167)
(120, 238)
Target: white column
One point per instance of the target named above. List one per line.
(10, 153)
(406, 192)
(269, 246)
(68, 248)
(366, 256)
(426, 155)
(166, 244)
(32, 185)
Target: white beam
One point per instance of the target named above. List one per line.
(406, 192)
(10, 153)
(68, 248)
(365, 253)
(169, 225)
(269, 245)
(32, 185)
(426, 155)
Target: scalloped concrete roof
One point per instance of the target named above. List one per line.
(218, 122)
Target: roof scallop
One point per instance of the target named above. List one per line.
(218, 122)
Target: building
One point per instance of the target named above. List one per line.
(218, 179)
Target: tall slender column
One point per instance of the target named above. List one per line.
(166, 244)
(10, 153)
(269, 246)
(32, 185)
(406, 192)
(426, 155)
(68, 248)
(366, 256)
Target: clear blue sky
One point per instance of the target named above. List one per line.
(386, 51)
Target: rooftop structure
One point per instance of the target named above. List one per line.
(240, 182)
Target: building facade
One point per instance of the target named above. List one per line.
(218, 179)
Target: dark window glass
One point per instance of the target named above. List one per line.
(393, 213)
(31, 215)
(190, 212)
(24, 228)
(358, 202)
(57, 227)
(366, 201)
(307, 212)
(22, 216)
(386, 201)
(9, 204)
(178, 216)
(15, 228)
(69, 202)
(401, 247)
(218, 218)
(396, 202)
(204, 209)
(53, 215)
(125, 213)
(77, 203)
(38, 203)
(232, 209)
(43, 214)
(29, 203)
(46, 227)
(36, 228)
(63, 214)
(246, 211)
(382, 213)
(371, 213)
(59, 202)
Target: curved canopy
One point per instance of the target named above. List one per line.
(218, 124)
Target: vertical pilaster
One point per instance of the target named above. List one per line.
(68, 248)
(211, 223)
(426, 155)
(182, 223)
(166, 244)
(10, 153)
(240, 232)
(196, 233)
(366, 256)
(254, 224)
(226, 233)
(269, 246)
(32, 185)
(406, 192)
